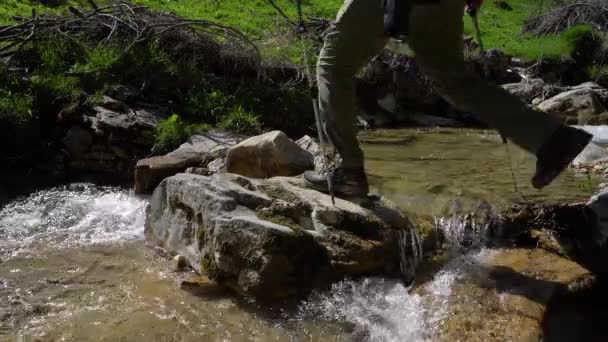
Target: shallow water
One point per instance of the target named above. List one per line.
(74, 266)
(431, 171)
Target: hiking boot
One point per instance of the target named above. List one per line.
(557, 153)
(346, 182)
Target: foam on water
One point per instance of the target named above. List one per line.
(382, 310)
(70, 216)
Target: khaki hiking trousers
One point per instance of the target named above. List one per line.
(436, 37)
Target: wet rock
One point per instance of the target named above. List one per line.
(580, 103)
(200, 148)
(180, 262)
(576, 231)
(504, 288)
(273, 239)
(202, 286)
(268, 155)
(77, 141)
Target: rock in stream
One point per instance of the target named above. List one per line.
(273, 239)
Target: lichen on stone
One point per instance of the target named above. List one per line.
(277, 218)
(279, 193)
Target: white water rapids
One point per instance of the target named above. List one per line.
(81, 216)
(71, 216)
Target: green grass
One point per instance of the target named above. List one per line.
(500, 28)
(15, 108)
(503, 29)
(171, 133)
(23, 8)
(599, 73)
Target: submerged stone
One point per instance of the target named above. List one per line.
(573, 230)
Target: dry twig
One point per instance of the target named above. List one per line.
(125, 22)
(583, 12)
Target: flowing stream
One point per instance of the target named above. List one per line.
(74, 265)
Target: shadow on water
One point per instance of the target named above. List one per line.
(574, 303)
(577, 315)
(573, 312)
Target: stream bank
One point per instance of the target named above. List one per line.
(83, 247)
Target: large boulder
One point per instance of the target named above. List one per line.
(268, 155)
(199, 149)
(577, 105)
(273, 239)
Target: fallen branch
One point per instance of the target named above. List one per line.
(128, 24)
(584, 12)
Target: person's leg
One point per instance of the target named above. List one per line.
(436, 38)
(357, 36)
(439, 52)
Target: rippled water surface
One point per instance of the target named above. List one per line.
(74, 266)
(427, 171)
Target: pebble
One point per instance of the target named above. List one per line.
(180, 262)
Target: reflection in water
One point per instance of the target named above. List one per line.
(426, 175)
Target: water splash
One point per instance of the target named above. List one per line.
(382, 310)
(410, 253)
(69, 216)
(377, 309)
(462, 231)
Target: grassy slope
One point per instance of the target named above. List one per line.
(501, 29)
